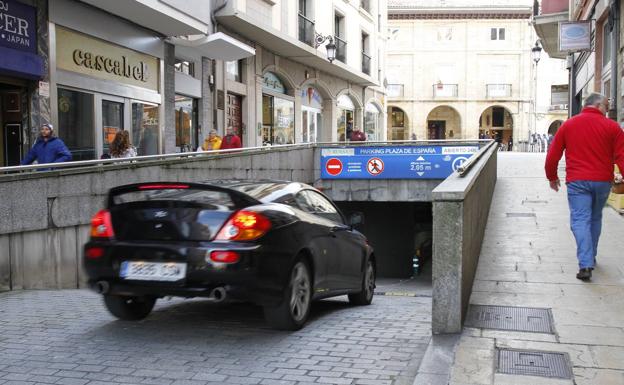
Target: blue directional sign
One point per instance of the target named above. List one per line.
(400, 162)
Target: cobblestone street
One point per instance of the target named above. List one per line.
(68, 338)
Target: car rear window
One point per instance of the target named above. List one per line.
(220, 199)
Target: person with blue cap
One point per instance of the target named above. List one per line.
(48, 148)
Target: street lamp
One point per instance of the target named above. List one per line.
(330, 46)
(536, 53)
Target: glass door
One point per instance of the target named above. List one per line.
(112, 121)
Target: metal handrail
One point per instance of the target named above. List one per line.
(212, 153)
(467, 165)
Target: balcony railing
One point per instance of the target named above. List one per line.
(395, 90)
(306, 30)
(341, 49)
(498, 90)
(366, 63)
(445, 90)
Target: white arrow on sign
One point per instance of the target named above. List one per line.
(420, 158)
(420, 173)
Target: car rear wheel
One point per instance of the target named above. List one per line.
(365, 297)
(129, 308)
(295, 308)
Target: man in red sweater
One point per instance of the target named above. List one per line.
(231, 140)
(592, 143)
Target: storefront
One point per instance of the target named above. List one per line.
(346, 113)
(278, 112)
(187, 133)
(311, 114)
(372, 122)
(101, 88)
(20, 69)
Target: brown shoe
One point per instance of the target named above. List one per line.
(584, 274)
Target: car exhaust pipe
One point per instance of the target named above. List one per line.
(218, 294)
(102, 287)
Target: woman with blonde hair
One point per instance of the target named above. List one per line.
(120, 147)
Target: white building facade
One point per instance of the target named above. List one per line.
(290, 92)
(464, 70)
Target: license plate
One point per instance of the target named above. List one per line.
(152, 271)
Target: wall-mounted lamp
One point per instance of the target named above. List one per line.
(211, 82)
(330, 46)
(536, 52)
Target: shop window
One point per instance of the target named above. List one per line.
(398, 118)
(371, 122)
(76, 123)
(186, 122)
(185, 67)
(145, 128)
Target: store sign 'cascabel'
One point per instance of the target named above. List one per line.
(120, 67)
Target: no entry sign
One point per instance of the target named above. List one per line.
(333, 166)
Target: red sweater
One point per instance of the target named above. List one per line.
(592, 144)
(230, 141)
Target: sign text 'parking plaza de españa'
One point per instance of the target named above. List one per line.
(398, 162)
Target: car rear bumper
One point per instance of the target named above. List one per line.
(260, 276)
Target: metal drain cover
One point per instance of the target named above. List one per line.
(534, 363)
(524, 319)
(520, 215)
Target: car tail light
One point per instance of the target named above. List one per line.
(163, 187)
(102, 225)
(224, 256)
(94, 252)
(244, 226)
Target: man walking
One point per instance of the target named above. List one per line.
(592, 143)
(48, 148)
(231, 140)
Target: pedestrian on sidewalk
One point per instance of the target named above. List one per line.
(120, 147)
(48, 148)
(231, 140)
(591, 143)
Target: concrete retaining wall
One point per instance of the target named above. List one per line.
(44, 216)
(460, 210)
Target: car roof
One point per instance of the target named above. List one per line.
(264, 190)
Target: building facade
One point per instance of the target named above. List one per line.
(595, 65)
(464, 70)
(290, 91)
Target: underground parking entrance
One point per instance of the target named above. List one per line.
(401, 235)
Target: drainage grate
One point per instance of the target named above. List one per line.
(534, 363)
(520, 215)
(524, 319)
(534, 201)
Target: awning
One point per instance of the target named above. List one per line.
(547, 28)
(291, 48)
(155, 15)
(21, 64)
(217, 46)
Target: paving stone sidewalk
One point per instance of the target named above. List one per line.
(529, 260)
(68, 338)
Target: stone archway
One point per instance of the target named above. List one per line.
(398, 124)
(444, 122)
(496, 122)
(554, 126)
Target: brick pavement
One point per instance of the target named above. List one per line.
(68, 338)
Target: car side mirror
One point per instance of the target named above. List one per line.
(356, 218)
